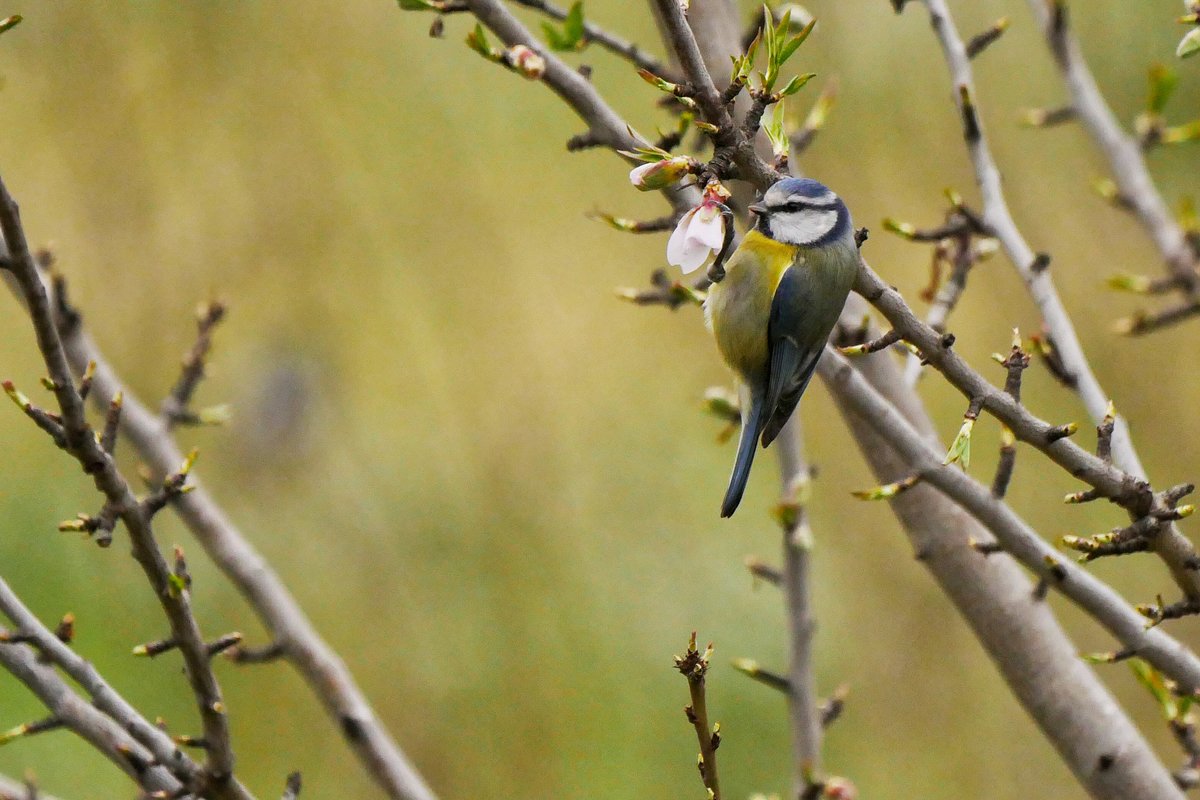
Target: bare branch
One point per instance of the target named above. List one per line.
(104, 698)
(99, 730)
(578, 93)
(96, 461)
(295, 637)
(1098, 599)
(1172, 546)
(803, 706)
(1124, 154)
(693, 665)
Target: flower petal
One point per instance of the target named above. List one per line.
(677, 243)
(693, 256)
(708, 228)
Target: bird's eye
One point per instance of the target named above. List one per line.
(792, 206)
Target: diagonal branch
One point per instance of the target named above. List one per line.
(96, 461)
(594, 33)
(1097, 598)
(1057, 689)
(321, 667)
(1171, 545)
(103, 696)
(99, 730)
(605, 126)
(1125, 157)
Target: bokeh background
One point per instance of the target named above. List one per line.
(487, 480)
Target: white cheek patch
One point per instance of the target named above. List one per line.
(805, 227)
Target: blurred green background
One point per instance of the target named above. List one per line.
(487, 480)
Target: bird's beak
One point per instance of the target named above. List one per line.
(757, 209)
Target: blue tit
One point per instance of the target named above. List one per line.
(771, 315)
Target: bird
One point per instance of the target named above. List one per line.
(772, 313)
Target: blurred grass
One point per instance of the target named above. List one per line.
(486, 480)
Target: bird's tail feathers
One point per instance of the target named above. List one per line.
(747, 445)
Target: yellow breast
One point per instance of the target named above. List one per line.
(739, 307)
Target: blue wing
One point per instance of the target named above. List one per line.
(795, 340)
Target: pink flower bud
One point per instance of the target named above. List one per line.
(527, 62)
(659, 174)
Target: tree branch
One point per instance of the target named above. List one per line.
(609, 41)
(96, 728)
(1061, 694)
(105, 699)
(804, 710)
(604, 124)
(1171, 546)
(96, 461)
(1124, 154)
(323, 670)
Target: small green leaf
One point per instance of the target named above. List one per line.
(1129, 282)
(1182, 133)
(554, 38)
(820, 110)
(723, 403)
(794, 43)
(177, 584)
(1156, 684)
(887, 491)
(904, 230)
(775, 131)
(960, 448)
(1162, 85)
(647, 155)
(796, 84)
(477, 40)
(573, 24)
(662, 84)
(1189, 45)
(571, 35)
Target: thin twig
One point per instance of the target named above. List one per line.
(176, 405)
(609, 41)
(693, 665)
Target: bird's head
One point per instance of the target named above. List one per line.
(804, 212)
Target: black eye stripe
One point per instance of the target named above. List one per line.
(800, 205)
